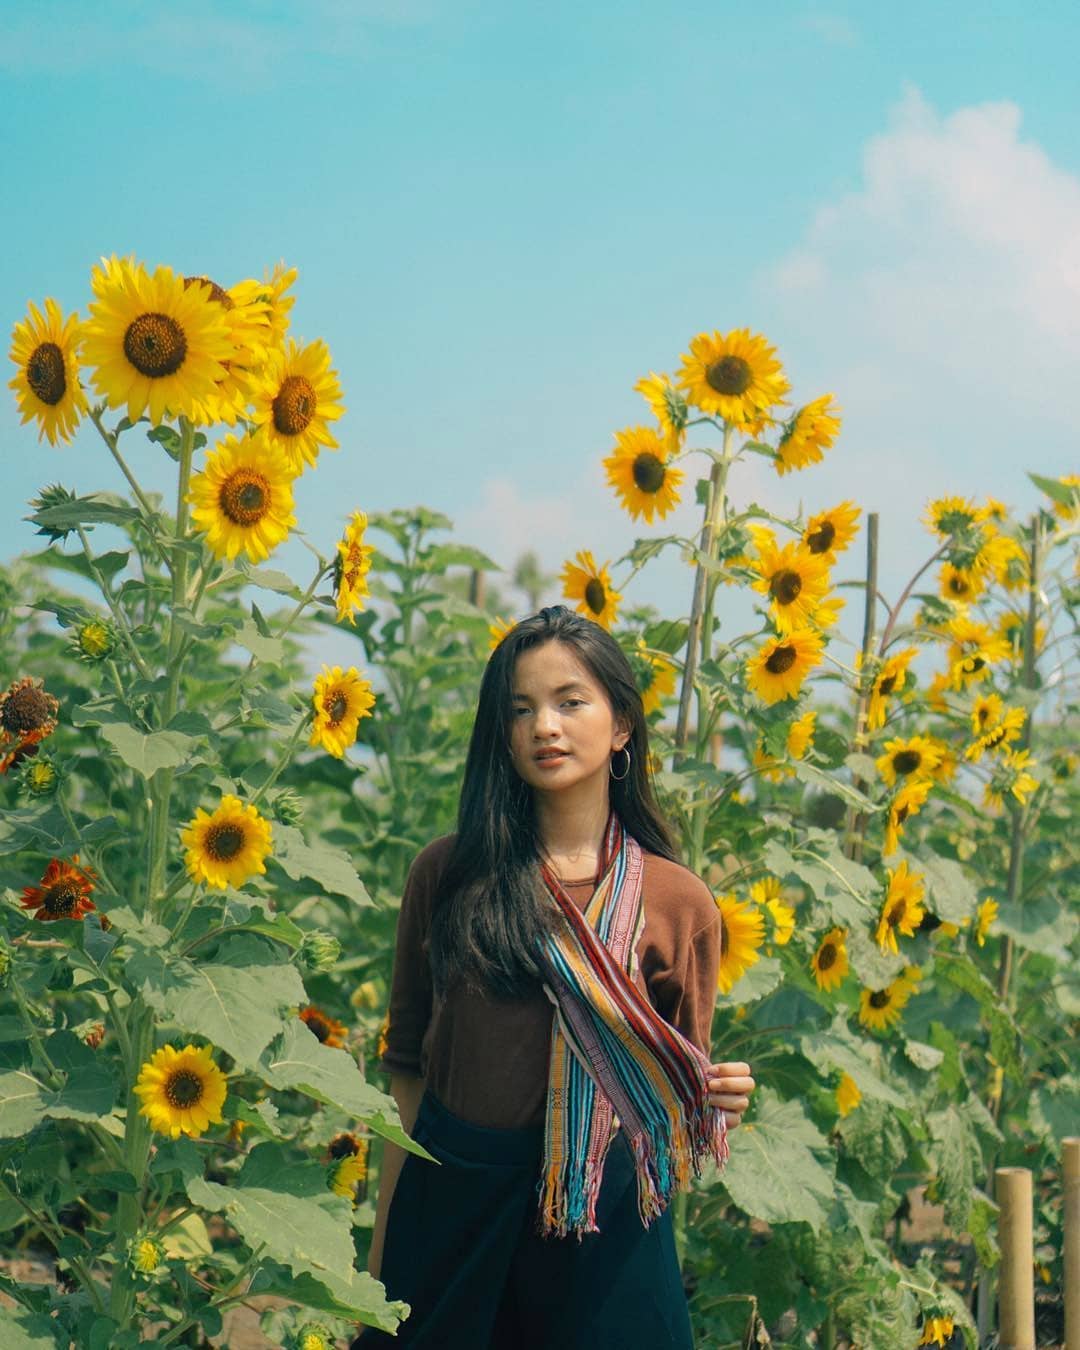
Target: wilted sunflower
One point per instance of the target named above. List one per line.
(641, 476)
(808, 435)
(937, 1331)
(182, 1091)
(27, 716)
(47, 387)
(227, 847)
(984, 920)
(351, 566)
(498, 630)
(590, 586)
(974, 649)
(902, 910)
(655, 676)
(781, 664)
(960, 583)
(830, 962)
(326, 1029)
(829, 532)
(848, 1095)
(735, 376)
(155, 344)
(999, 734)
(949, 516)
(742, 931)
(916, 757)
(1011, 777)
(243, 498)
(669, 406)
(880, 1009)
(341, 699)
(889, 681)
(63, 891)
(795, 581)
(908, 802)
(296, 398)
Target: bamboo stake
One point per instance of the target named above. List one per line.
(1070, 1149)
(856, 821)
(1016, 1287)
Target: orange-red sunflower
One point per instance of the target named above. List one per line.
(324, 1027)
(63, 892)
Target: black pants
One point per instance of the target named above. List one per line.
(460, 1249)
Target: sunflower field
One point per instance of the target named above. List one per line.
(202, 850)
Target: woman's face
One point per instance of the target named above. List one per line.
(562, 727)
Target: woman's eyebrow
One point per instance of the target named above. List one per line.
(562, 689)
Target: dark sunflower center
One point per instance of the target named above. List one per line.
(245, 497)
(344, 1146)
(907, 761)
(595, 595)
(294, 406)
(887, 685)
(155, 345)
(896, 913)
(902, 813)
(61, 899)
(224, 842)
(183, 1088)
(820, 540)
(995, 737)
(217, 292)
(648, 473)
(827, 956)
(730, 375)
(26, 709)
(318, 1025)
(880, 998)
(958, 585)
(973, 664)
(45, 373)
(336, 706)
(785, 586)
(983, 716)
(781, 660)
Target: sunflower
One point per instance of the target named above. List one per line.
(145, 1254)
(949, 516)
(314, 1336)
(848, 1095)
(182, 1091)
(795, 581)
(908, 802)
(781, 664)
(243, 498)
(63, 891)
(960, 583)
(999, 734)
(916, 757)
(829, 532)
(986, 711)
(735, 376)
(47, 386)
(768, 894)
(974, 649)
(323, 1027)
(800, 737)
(347, 1175)
(155, 344)
(830, 962)
(742, 931)
(1006, 558)
(271, 299)
(352, 562)
(294, 400)
(40, 776)
(27, 715)
(889, 681)
(935, 692)
(94, 641)
(341, 699)
(984, 920)
(902, 910)
(498, 630)
(247, 319)
(227, 847)
(668, 405)
(638, 471)
(880, 1009)
(808, 435)
(937, 1331)
(591, 587)
(655, 676)
(1071, 509)
(1011, 777)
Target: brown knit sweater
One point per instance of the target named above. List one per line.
(486, 1058)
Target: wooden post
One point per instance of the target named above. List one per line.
(1016, 1287)
(1070, 1149)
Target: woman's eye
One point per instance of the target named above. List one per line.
(578, 702)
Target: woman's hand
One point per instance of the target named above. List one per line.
(730, 1086)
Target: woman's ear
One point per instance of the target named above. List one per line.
(622, 733)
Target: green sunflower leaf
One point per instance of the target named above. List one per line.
(22, 1103)
(330, 867)
(775, 1172)
(146, 754)
(358, 1298)
(27, 1331)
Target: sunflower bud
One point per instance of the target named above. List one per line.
(93, 641)
(54, 495)
(145, 1255)
(40, 777)
(320, 951)
(288, 807)
(95, 1036)
(313, 1336)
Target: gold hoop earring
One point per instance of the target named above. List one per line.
(611, 769)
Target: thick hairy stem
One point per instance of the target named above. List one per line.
(856, 821)
(130, 1207)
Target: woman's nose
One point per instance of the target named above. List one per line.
(547, 722)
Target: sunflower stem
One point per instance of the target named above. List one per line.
(129, 1208)
(114, 607)
(283, 762)
(855, 825)
(35, 1038)
(111, 438)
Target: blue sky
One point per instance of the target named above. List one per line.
(503, 215)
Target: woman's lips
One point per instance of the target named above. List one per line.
(544, 760)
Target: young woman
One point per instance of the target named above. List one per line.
(548, 1040)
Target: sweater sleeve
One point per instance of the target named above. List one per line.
(683, 974)
(410, 985)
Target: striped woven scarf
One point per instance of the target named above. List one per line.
(613, 1055)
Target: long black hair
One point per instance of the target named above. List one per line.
(492, 908)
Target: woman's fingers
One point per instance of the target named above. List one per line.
(737, 1069)
(727, 1102)
(742, 1085)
